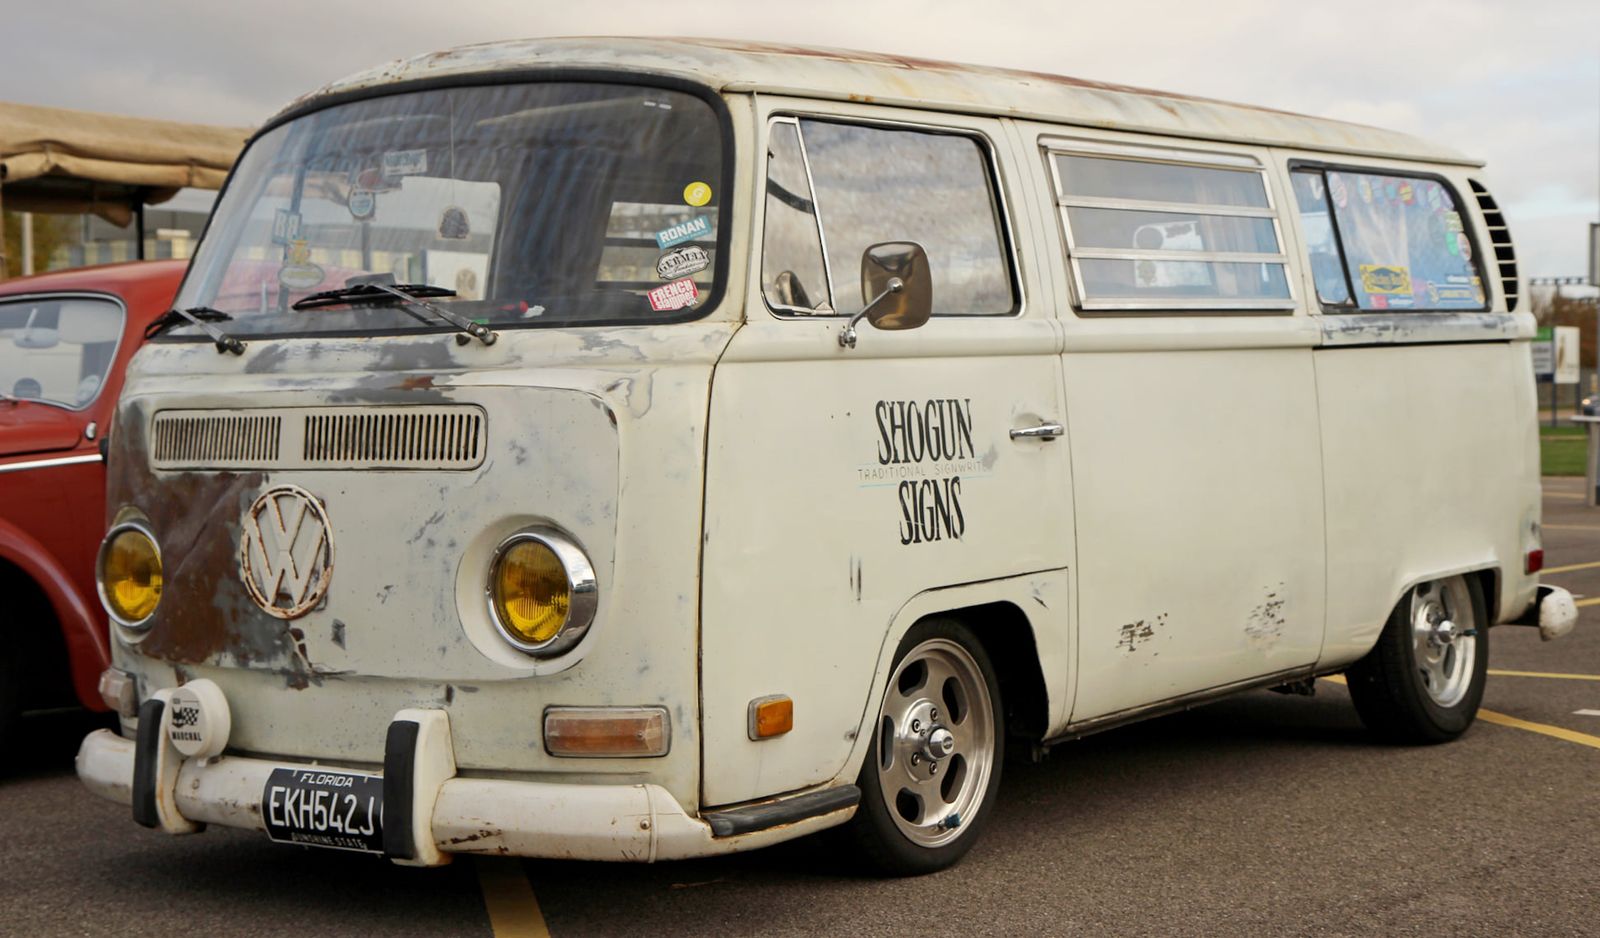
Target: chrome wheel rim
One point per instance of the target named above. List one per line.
(1444, 639)
(936, 744)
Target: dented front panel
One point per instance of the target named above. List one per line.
(578, 434)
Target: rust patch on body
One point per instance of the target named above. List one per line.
(1133, 635)
(1266, 623)
(205, 615)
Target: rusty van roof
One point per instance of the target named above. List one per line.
(843, 75)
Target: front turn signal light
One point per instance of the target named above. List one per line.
(128, 574)
(607, 732)
(542, 592)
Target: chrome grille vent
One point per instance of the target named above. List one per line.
(1500, 237)
(217, 440)
(450, 436)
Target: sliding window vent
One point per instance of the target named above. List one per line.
(1500, 237)
(439, 436)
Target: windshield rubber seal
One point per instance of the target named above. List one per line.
(516, 76)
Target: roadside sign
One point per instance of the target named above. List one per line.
(1544, 354)
(1566, 355)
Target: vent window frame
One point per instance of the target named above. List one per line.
(1052, 147)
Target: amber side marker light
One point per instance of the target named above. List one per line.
(607, 732)
(771, 716)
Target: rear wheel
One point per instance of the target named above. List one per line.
(1423, 681)
(930, 780)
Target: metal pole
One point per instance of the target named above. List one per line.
(2, 225)
(138, 226)
(27, 244)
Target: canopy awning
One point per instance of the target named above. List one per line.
(61, 161)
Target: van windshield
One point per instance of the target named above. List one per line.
(548, 203)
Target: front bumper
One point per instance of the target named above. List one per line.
(450, 814)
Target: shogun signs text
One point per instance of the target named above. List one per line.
(925, 445)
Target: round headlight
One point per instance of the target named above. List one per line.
(542, 592)
(129, 574)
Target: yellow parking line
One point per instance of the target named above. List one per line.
(1571, 736)
(1591, 601)
(1491, 716)
(1570, 527)
(1564, 677)
(507, 894)
(1571, 567)
(1577, 495)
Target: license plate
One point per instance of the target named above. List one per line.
(323, 808)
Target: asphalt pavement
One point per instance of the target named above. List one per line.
(1261, 815)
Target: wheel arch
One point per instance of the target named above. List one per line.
(1022, 623)
(26, 565)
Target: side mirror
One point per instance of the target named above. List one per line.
(895, 286)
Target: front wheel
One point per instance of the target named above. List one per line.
(1423, 681)
(931, 777)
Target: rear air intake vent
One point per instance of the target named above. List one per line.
(432, 437)
(1500, 238)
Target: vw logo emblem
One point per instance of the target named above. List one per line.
(286, 551)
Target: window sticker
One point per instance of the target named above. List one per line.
(697, 227)
(363, 204)
(682, 261)
(285, 226)
(696, 194)
(298, 273)
(405, 163)
(453, 225)
(675, 295)
(1377, 278)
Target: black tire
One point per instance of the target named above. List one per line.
(1398, 695)
(878, 832)
(10, 697)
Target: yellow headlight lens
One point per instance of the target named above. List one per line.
(531, 593)
(130, 575)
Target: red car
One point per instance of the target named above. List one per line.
(65, 339)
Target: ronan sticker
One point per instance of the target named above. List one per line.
(1391, 281)
(697, 227)
(674, 295)
(681, 262)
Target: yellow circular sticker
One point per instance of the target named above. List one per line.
(697, 194)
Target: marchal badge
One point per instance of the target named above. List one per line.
(286, 551)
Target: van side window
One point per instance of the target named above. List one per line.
(1401, 241)
(872, 184)
(793, 278)
(1161, 230)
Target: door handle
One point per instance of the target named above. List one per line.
(1044, 431)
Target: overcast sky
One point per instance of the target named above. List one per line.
(1515, 83)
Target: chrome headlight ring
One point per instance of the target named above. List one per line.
(583, 590)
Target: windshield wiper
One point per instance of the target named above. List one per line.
(202, 316)
(411, 299)
(366, 290)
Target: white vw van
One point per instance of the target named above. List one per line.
(626, 449)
